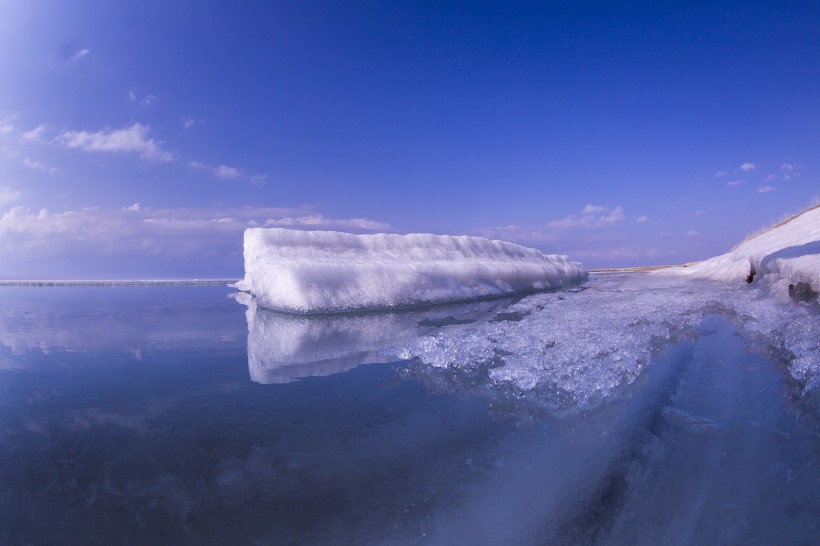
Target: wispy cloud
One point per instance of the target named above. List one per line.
(591, 216)
(642, 219)
(92, 235)
(746, 167)
(38, 166)
(8, 195)
(80, 55)
(131, 139)
(693, 233)
(734, 183)
(187, 122)
(789, 171)
(36, 134)
(321, 221)
(259, 179)
(147, 100)
(6, 126)
(720, 174)
(764, 189)
(224, 171)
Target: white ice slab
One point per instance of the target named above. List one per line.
(331, 272)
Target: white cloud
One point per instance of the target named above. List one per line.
(642, 219)
(8, 195)
(145, 101)
(319, 220)
(187, 122)
(80, 238)
(38, 165)
(80, 54)
(591, 216)
(693, 233)
(6, 126)
(259, 179)
(720, 174)
(592, 209)
(789, 171)
(748, 167)
(224, 171)
(36, 134)
(733, 183)
(131, 139)
(764, 189)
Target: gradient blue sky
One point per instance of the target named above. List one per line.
(139, 139)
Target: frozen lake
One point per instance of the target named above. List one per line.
(178, 415)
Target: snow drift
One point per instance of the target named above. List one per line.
(329, 272)
(786, 254)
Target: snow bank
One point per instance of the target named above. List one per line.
(330, 272)
(786, 254)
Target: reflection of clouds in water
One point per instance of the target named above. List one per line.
(127, 320)
(283, 347)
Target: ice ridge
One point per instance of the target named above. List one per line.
(315, 272)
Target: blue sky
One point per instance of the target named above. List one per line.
(139, 139)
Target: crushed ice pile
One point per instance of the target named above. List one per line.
(572, 349)
(326, 272)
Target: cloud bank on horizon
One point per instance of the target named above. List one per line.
(141, 139)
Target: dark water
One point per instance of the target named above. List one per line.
(128, 416)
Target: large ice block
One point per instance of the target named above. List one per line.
(329, 272)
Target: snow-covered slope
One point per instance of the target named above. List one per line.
(329, 272)
(786, 254)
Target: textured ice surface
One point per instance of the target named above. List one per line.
(786, 254)
(574, 348)
(326, 272)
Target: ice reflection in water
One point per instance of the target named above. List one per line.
(284, 347)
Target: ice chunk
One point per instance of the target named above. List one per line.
(329, 272)
(786, 254)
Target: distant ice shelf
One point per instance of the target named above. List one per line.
(319, 272)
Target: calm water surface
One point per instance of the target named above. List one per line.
(176, 415)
